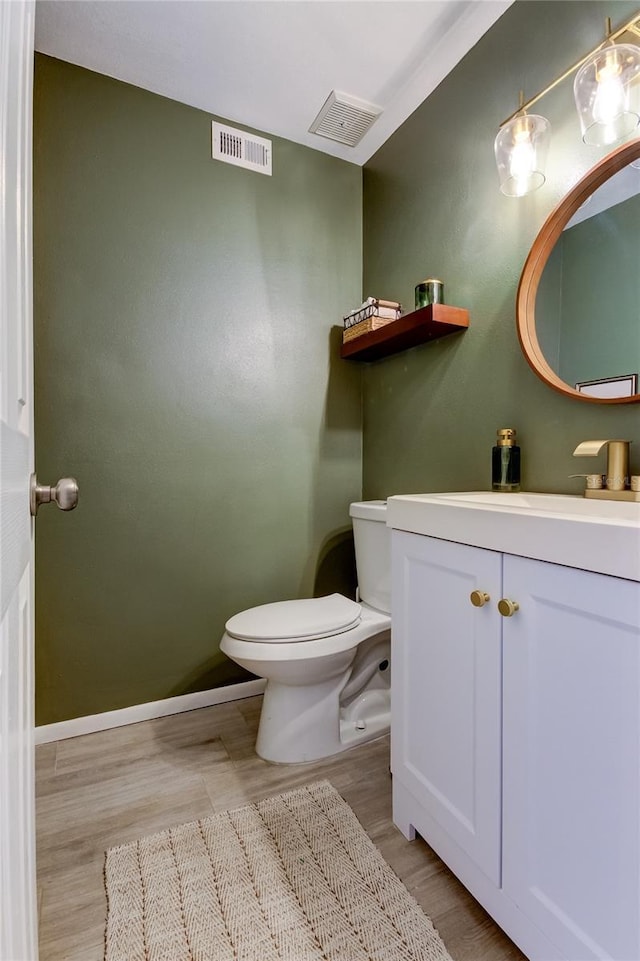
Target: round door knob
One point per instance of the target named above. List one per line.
(479, 598)
(64, 494)
(508, 608)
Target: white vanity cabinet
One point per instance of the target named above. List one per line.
(516, 740)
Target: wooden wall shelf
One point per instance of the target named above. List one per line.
(418, 327)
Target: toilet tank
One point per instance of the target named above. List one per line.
(372, 540)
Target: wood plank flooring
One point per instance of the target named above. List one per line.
(112, 787)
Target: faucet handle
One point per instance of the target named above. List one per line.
(593, 482)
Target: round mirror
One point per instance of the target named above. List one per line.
(578, 304)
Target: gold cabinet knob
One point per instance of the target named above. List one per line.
(479, 598)
(508, 608)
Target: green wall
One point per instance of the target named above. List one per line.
(432, 207)
(187, 374)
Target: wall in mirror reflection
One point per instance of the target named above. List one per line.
(588, 301)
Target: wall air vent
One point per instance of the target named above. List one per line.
(240, 148)
(345, 118)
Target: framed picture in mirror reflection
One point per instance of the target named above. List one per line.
(626, 385)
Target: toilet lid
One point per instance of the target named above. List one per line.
(295, 620)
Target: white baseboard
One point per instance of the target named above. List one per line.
(145, 712)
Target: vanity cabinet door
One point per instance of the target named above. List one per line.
(446, 692)
(571, 802)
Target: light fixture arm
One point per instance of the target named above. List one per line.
(632, 26)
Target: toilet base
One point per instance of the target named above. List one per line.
(367, 718)
(299, 724)
(292, 744)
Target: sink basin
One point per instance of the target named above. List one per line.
(594, 535)
(555, 503)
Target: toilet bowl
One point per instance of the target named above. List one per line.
(326, 659)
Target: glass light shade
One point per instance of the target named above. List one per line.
(607, 94)
(521, 149)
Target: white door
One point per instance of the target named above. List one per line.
(18, 920)
(446, 690)
(572, 757)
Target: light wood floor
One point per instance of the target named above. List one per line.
(109, 788)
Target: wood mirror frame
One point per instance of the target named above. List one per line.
(536, 262)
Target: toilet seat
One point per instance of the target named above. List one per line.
(299, 620)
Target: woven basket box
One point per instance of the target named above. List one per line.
(365, 326)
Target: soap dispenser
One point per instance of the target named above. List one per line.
(505, 462)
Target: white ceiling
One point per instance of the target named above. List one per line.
(270, 64)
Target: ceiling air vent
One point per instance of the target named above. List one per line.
(345, 118)
(241, 148)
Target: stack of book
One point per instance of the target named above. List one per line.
(372, 314)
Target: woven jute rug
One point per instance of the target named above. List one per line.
(293, 877)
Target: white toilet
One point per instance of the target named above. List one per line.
(326, 659)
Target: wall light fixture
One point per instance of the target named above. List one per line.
(607, 96)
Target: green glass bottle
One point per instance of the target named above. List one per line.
(505, 462)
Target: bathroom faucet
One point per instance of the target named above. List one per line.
(617, 460)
